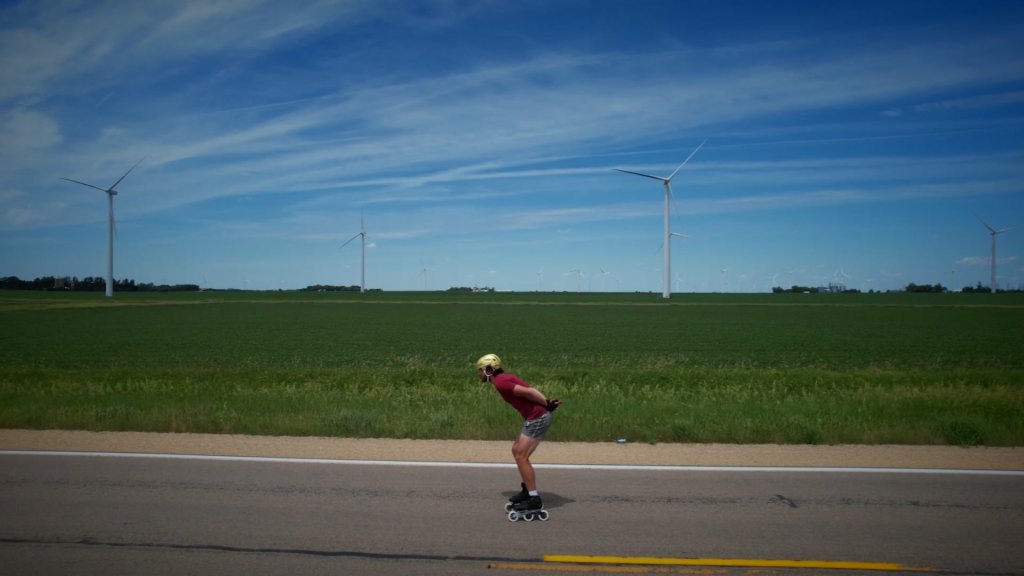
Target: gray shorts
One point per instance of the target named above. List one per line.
(538, 427)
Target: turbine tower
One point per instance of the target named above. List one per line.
(362, 265)
(667, 182)
(111, 227)
(994, 233)
(425, 273)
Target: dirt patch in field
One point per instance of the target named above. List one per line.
(979, 458)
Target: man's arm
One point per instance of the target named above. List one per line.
(535, 396)
(531, 394)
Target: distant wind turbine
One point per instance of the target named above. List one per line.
(111, 226)
(994, 233)
(839, 278)
(579, 276)
(667, 182)
(362, 266)
(425, 274)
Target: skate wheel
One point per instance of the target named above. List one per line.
(543, 515)
(508, 506)
(513, 516)
(529, 517)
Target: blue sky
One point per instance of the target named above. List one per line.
(851, 141)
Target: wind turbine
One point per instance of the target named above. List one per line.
(994, 233)
(839, 279)
(111, 226)
(425, 273)
(362, 266)
(579, 276)
(667, 182)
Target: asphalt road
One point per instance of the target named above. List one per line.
(128, 515)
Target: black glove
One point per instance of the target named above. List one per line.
(553, 404)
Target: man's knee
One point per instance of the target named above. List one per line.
(523, 447)
(520, 452)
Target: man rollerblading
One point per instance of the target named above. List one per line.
(536, 411)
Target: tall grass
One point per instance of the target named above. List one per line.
(918, 369)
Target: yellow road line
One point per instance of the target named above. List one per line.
(542, 567)
(734, 562)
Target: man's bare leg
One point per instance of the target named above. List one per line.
(522, 449)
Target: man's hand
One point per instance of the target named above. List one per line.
(553, 405)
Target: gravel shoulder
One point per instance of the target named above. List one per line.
(606, 453)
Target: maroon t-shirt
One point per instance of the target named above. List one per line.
(505, 385)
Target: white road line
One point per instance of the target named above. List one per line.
(428, 464)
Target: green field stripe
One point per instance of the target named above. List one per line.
(734, 562)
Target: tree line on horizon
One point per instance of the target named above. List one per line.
(99, 284)
(89, 284)
(912, 288)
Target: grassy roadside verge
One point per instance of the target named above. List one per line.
(703, 369)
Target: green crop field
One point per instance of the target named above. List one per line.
(778, 368)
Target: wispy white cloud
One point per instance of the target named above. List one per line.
(20, 129)
(45, 45)
(973, 102)
(557, 101)
(984, 260)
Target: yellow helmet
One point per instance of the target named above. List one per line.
(488, 361)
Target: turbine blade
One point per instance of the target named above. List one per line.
(84, 184)
(687, 160)
(126, 173)
(672, 198)
(640, 174)
(351, 239)
(986, 224)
